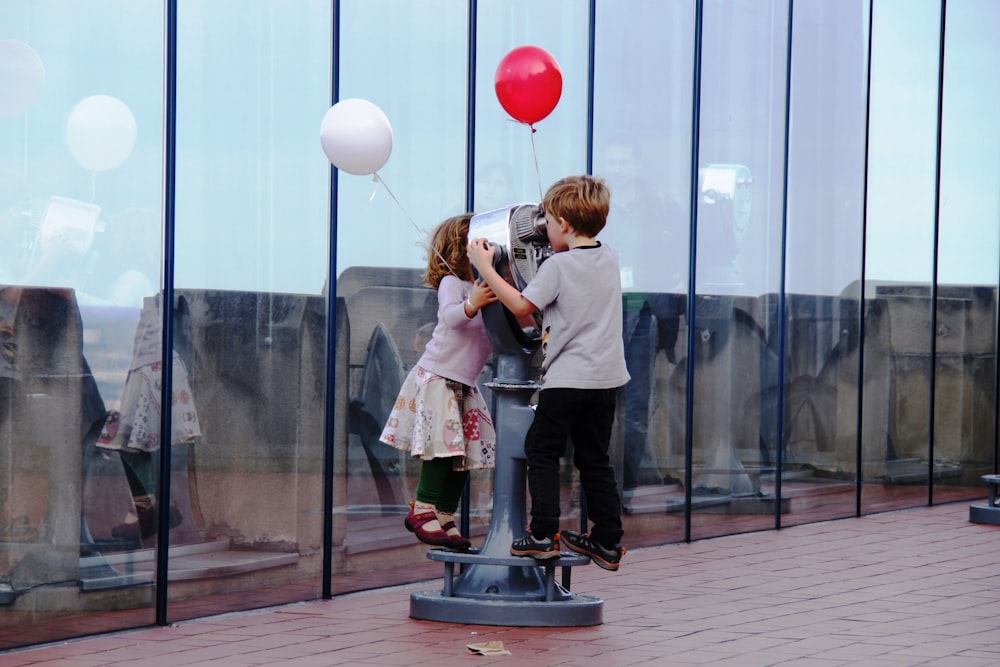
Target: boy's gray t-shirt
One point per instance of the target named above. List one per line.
(580, 294)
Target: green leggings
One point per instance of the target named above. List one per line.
(441, 485)
(140, 470)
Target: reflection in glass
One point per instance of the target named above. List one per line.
(824, 227)
(80, 184)
(895, 445)
(251, 219)
(81, 221)
(965, 423)
(642, 143)
(738, 263)
(387, 309)
(533, 160)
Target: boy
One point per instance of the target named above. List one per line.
(579, 291)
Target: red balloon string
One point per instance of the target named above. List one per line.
(534, 154)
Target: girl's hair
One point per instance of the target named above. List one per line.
(447, 252)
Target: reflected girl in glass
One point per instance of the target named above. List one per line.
(134, 432)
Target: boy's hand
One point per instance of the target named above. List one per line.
(481, 254)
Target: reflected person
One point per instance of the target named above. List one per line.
(652, 265)
(134, 431)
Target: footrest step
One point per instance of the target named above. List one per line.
(565, 559)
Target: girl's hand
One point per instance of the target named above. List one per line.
(481, 295)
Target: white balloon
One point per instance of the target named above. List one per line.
(22, 75)
(100, 132)
(356, 136)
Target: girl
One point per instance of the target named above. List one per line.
(135, 432)
(440, 416)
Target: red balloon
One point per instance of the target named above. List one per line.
(528, 83)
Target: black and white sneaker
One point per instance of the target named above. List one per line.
(602, 556)
(539, 549)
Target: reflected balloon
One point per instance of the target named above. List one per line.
(22, 75)
(356, 136)
(101, 132)
(528, 83)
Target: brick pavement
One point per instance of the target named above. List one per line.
(913, 587)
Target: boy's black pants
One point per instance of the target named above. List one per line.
(586, 415)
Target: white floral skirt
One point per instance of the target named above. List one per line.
(435, 417)
(137, 427)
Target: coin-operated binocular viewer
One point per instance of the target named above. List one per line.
(494, 587)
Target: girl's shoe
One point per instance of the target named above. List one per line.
(415, 524)
(455, 541)
(142, 524)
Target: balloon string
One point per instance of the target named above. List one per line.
(93, 186)
(534, 154)
(378, 179)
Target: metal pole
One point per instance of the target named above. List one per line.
(331, 329)
(167, 307)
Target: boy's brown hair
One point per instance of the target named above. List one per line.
(448, 251)
(583, 201)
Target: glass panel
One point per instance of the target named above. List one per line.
(738, 261)
(410, 61)
(557, 148)
(824, 232)
(899, 254)
(80, 156)
(382, 273)
(250, 321)
(81, 117)
(965, 379)
(536, 156)
(642, 139)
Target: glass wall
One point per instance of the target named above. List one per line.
(825, 347)
(81, 133)
(557, 147)
(253, 82)
(823, 249)
(965, 416)
(82, 150)
(738, 259)
(418, 79)
(642, 147)
(900, 253)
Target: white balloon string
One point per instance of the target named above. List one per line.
(426, 246)
(375, 179)
(93, 186)
(534, 154)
